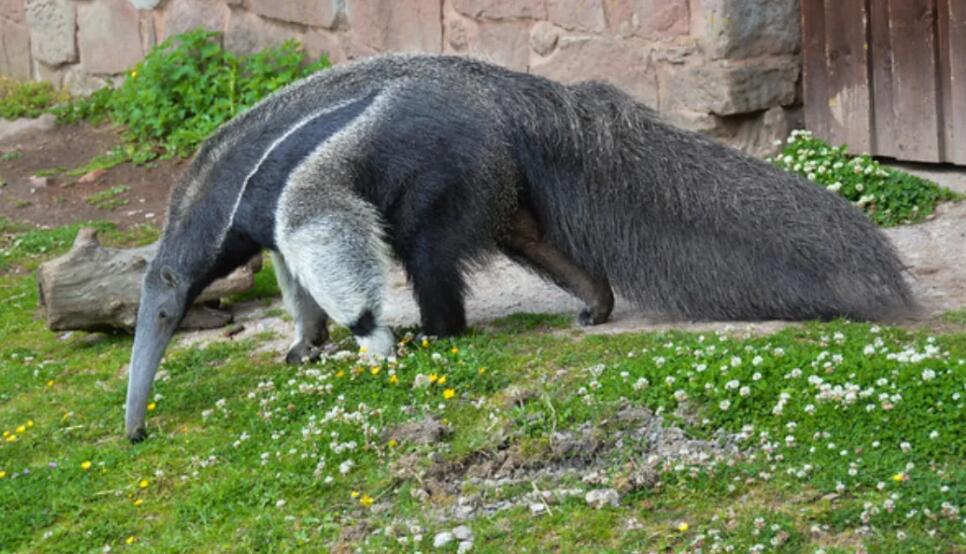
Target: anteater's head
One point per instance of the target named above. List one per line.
(164, 301)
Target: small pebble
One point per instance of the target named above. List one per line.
(463, 533)
(442, 539)
(599, 498)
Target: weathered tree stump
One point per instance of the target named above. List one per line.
(93, 288)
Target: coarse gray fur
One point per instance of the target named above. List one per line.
(441, 161)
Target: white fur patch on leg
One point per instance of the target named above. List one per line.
(341, 259)
(378, 344)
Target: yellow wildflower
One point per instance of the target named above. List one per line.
(50, 383)
(449, 393)
(129, 540)
(143, 483)
(2, 474)
(392, 443)
(12, 438)
(138, 502)
(482, 370)
(900, 477)
(683, 526)
(433, 377)
(30, 423)
(454, 350)
(425, 343)
(365, 501)
(355, 494)
(441, 380)
(152, 406)
(340, 374)
(134, 74)
(393, 380)
(85, 465)
(22, 429)
(375, 370)
(6, 434)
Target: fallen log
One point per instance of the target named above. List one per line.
(93, 288)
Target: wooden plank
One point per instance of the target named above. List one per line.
(814, 70)
(914, 79)
(952, 63)
(847, 54)
(884, 117)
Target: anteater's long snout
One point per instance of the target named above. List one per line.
(156, 323)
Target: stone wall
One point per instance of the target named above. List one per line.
(729, 68)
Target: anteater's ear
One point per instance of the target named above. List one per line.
(168, 277)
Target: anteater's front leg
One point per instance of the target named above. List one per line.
(311, 322)
(339, 257)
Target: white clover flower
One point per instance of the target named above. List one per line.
(669, 380)
(641, 383)
(928, 375)
(756, 377)
(724, 405)
(835, 187)
(735, 361)
(744, 391)
(905, 446)
(680, 395)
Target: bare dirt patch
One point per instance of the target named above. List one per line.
(61, 199)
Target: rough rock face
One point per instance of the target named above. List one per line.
(52, 24)
(14, 49)
(726, 67)
(108, 36)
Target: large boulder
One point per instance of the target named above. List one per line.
(52, 24)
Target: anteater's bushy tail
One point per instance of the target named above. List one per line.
(690, 228)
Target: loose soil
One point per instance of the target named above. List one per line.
(63, 199)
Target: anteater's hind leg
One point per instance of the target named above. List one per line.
(432, 261)
(311, 322)
(340, 258)
(526, 245)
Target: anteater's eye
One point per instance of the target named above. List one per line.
(168, 277)
(162, 314)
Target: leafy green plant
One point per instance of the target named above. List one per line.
(890, 197)
(29, 99)
(185, 88)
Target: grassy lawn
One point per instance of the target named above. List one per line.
(833, 437)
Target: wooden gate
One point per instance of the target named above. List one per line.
(887, 77)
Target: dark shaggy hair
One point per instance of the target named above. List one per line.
(684, 226)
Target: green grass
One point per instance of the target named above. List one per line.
(244, 452)
(27, 99)
(115, 157)
(108, 199)
(955, 316)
